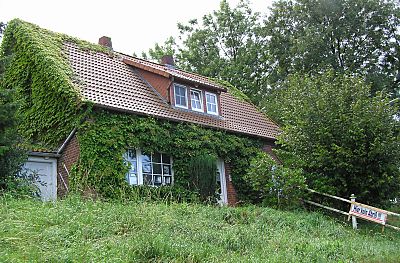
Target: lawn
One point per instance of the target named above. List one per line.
(75, 230)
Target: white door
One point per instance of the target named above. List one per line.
(221, 183)
(45, 174)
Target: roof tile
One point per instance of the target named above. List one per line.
(109, 82)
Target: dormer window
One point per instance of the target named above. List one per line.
(180, 96)
(211, 103)
(196, 100)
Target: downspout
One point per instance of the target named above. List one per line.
(66, 141)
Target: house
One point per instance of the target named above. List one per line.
(89, 111)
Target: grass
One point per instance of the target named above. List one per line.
(74, 230)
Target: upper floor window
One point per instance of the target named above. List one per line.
(211, 103)
(180, 96)
(196, 100)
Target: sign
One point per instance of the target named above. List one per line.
(369, 213)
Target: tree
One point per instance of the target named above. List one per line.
(2, 28)
(357, 36)
(11, 158)
(226, 44)
(345, 140)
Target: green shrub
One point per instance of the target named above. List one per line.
(203, 173)
(277, 185)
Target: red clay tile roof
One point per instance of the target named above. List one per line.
(109, 82)
(167, 71)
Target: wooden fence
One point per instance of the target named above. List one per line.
(357, 210)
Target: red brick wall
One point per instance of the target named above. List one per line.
(69, 156)
(231, 192)
(267, 147)
(159, 83)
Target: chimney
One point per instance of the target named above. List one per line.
(168, 60)
(105, 41)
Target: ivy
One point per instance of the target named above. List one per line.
(106, 136)
(44, 82)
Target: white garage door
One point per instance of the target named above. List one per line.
(46, 179)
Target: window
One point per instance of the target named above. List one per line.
(211, 102)
(196, 100)
(180, 96)
(156, 169)
(148, 168)
(131, 160)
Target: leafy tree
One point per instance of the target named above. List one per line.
(11, 158)
(344, 139)
(357, 36)
(2, 27)
(226, 44)
(276, 185)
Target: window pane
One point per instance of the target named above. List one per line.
(157, 180)
(131, 154)
(132, 179)
(167, 180)
(132, 167)
(146, 157)
(180, 96)
(166, 158)
(156, 168)
(147, 179)
(213, 108)
(146, 167)
(156, 158)
(166, 169)
(196, 99)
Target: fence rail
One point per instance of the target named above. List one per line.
(368, 212)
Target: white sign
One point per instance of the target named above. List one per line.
(368, 213)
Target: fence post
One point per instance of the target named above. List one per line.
(353, 218)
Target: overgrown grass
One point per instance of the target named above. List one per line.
(75, 230)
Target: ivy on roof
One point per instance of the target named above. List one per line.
(38, 70)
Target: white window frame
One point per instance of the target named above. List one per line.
(201, 100)
(139, 168)
(216, 103)
(186, 96)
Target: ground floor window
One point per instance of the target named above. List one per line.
(148, 168)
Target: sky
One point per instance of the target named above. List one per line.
(134, 26)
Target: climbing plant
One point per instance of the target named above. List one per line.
(106, 136)
(44, 82)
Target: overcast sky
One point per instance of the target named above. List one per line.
(134, 26)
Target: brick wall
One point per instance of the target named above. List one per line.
(267, 147)
(231, 192)
(69, 156)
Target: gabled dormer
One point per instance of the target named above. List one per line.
(180, 89)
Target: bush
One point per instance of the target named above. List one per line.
(277, 185)
(344, 139)
(203, 173)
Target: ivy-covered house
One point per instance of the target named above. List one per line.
(105, 120)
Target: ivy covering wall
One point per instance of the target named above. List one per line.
(105, 137)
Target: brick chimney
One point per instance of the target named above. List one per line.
(105, 41)
(168, 60)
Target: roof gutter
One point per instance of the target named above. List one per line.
(66, 141)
